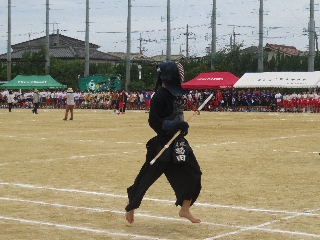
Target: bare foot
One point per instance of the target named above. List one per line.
(130, 216)
(187, 214)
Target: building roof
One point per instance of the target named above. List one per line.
(133, 56)
(61, 47)
(140, 57)
(64, 53)
(96, 55)
(162, 58)
(287, 50)
(251, 49)
(55, 40)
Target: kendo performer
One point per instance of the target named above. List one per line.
(177, 162)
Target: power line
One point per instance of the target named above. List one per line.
(230, 14)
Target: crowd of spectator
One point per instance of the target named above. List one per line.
(235, 100)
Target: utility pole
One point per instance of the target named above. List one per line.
(233, 35)
(187, 42)
(128, 55)
(29, 40)
(86, 62)
(311, 38)
(168, 56)
(141, 49)
(214, 33)
(9, 43)
(260, 49)
(316, 39)
(47, 65)
(140, 46)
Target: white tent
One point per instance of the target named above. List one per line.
(279, 80)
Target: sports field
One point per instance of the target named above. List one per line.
(68, 179)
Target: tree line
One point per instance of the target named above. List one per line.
(238, 61)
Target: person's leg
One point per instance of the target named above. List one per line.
(185, 179)
(66, 113)
(185, 212)
(36, 105)
(124, 107)
(146, 177)
(71, 111)
(121, 107)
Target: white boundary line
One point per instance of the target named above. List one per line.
(249, 141)
(240, 208)
(85, 229)
(195, 146)
(101, 210)
(257, 228)
(241, 228)
(64, 158)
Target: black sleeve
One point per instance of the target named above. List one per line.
(155, 115)
(161, 107)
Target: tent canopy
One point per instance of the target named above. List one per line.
(279, 80)
(33, 82)
(211, 80)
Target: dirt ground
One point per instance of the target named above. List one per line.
(68, 180)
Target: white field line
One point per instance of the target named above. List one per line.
(85, 157)
(196, 146)
(58, 159)
(100, 210)
(260, 228)
(78, 228)
(250, 141)
(30, 136)
(240, 208)
(294, 151)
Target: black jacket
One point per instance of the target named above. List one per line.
(161, 107)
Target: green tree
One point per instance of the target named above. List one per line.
(3, 71)
(66, 72)
(32, 63)
(194, 66)
(120, 69)
(149, 76)
(236, 60)
(102, 69)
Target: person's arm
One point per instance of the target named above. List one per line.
(155, 116)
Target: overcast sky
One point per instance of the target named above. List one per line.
(285, 22)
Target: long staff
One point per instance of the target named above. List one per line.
(195, 113)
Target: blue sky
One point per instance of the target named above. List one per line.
(284, 23)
